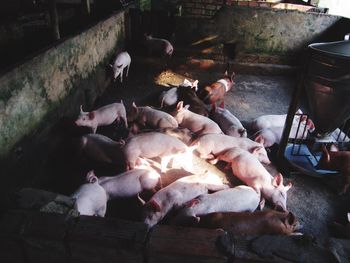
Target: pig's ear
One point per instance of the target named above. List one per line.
(193, 146)
(195, 83)
(187, 82)
(192, 203)
(134, 104)
(91, 177)
(180, 106)
(81, 109)
(288, 186)
(154, 205)
(262, 203)
(91, 115)
(121, 102)
(257, 149)
(260, 139)
(226, 73)
(186, 107)
(233, 75)
(299, 111)
(277, 180)
(348, 217)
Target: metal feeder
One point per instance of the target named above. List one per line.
(327, 86)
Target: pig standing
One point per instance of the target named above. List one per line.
(178, 193)
(238, 199)
(103, 116)
(269, 222)
(338, 161)
(249, 170)
(146, 116)
(159, 46)
(194, 122)
(216, 91)
(155, 144)
(130, 183)
(228, 123)
(101, 148)
(122, 61)
(91, 198)
(212, 145)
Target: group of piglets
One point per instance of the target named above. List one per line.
(171, 134)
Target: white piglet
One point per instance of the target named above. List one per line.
(178, 193)
(91, 198)
(238, 199)
(103, 116)
(123, 60)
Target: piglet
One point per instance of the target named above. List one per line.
(216, 91)
(228, 123)
(131, 183)
(103, 116)
(91, 198)
(238, 199)
(159, 46)
(156, 144)
(212, 145)
(338, 161)
(196, 123)
(147, 116)
(122, 61)
(269, 222)
(249, 170)
(102, 149)
(178, 193)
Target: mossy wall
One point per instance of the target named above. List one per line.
(33, 91)
(254, 30)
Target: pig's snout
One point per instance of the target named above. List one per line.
(280, 207)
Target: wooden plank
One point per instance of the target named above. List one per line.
(184, 244)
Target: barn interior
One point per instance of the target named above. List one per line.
(55, 56)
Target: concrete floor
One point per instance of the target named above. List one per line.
(312, 200)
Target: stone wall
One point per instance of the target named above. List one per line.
(33, 90)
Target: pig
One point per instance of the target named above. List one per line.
(212, 145)
(171, 96)
(130, 183)
(183, 134)
(228, 123)
(273, 135)
(268, 121)
(103, 116)
(268, 222)
(101, 148)
(146, 116)
(159, 46)
(122, 61)
(217, 90)
(196, 123)
(338, 161)
(156, 144)
(237, 199)
(91, 198)
(178, 193)
(187, 93)
(249, 170)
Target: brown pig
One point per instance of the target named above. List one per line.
(338, 161)
(268, 222)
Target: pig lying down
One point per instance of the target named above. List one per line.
(122, 61)
(237, 199)
(269, 222)
(248, 169)
(196, 123)
(103, 116)
(156, 144)
(228, 123)
(130, 183)
(212, 145)
(91, 198)
(146, 116)
(178, 193)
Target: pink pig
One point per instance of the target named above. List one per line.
(155, 144)
(196, 123)
(122, 61)
(146, 116)
(178, 193)
(212, 145)
(248, 169)
(91, 198)
(103, 116)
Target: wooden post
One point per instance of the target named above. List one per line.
(54, 20)
(86, 7)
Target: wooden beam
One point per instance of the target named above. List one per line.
(54, 20)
